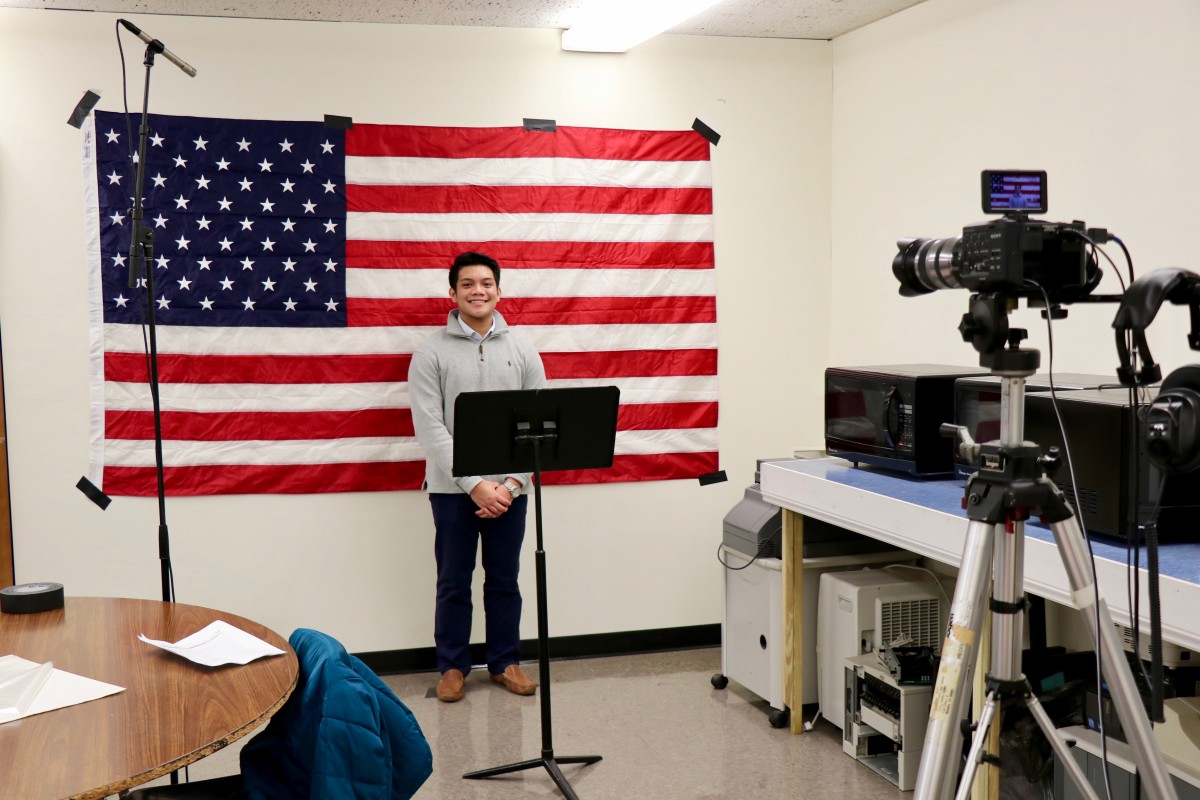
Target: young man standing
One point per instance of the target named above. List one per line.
(476, 351)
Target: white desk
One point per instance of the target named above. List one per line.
(926, 517)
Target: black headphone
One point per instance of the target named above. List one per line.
(1172, 421)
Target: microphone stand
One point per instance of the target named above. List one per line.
(141, 253)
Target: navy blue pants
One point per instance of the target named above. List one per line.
(457, 533)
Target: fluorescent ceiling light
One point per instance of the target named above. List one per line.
(614, 26)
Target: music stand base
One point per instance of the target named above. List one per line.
(548, 761)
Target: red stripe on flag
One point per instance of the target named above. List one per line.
(259, 425)
(274, 369)
(271, 479)
(278, 370)
(415, 141)
(285, 426)
(374, 477)
(534, 255)
(375, 311)
(526, 199)
(660, 416)
(655, 467)
(629, 363)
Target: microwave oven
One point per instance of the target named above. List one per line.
(1116, 488)
(977, 404)
(889, 416)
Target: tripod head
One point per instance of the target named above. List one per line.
(985, 327)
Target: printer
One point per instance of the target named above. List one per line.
(754, 526)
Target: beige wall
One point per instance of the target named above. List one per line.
(1103, 94)
(621, 557)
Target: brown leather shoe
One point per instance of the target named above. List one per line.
(450, 687)
(515, 680)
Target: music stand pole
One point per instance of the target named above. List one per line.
(547, 759)
(578, 429)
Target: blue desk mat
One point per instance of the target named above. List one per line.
(1176, 559)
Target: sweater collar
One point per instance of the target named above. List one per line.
(456, 327)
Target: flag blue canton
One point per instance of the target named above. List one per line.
(249, 221)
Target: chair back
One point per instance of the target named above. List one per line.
(342, 735)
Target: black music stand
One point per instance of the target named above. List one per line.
(536, 430)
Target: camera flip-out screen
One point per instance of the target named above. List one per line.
(1010, 190)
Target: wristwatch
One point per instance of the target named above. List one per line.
(513, 489)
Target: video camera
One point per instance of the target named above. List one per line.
(1014, 256)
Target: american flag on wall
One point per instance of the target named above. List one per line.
(296, 266)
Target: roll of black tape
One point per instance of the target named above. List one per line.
(30, 598)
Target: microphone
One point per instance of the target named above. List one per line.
(158, 47)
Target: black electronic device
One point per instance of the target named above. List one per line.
(1112, 466)
(888, 416)
(1014, 256)
(910, 665)
(977, 404)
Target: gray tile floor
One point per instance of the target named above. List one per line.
(663, 731)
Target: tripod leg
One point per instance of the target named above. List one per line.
(577, 759)
(977, 745)
(1061, 751)
(1134, 721)
(560, 780)
(943, 740)
(494, 771)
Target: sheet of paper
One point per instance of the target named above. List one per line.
(19, 686)
(217, 644)
(60, 690)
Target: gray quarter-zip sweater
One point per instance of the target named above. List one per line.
(450, 362)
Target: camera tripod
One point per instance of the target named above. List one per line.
(1010, 484)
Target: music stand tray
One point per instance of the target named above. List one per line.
(534, 431)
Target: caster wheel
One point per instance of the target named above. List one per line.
(719, 681)
(779, 719)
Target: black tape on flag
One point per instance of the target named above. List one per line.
(708, 133)
(544, 125)
(713, 477)
(93, 493)
(339, 123)
(83, 108)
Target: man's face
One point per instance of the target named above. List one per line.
(476, 293)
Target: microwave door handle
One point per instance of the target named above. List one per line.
(891, 417)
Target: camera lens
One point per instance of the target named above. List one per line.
(926, 265)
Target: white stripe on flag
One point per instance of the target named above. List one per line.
(668, 440)
(640, 391)
(121, 338)
(528, 227)
(590, 338)
(540, 283)
(247, 397)
(92, 261)
(384, 170)
(177, 453)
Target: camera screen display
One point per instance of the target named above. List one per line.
(1006, 191)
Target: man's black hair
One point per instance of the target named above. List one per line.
(473, 259)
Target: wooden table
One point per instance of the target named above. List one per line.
(172, 712)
